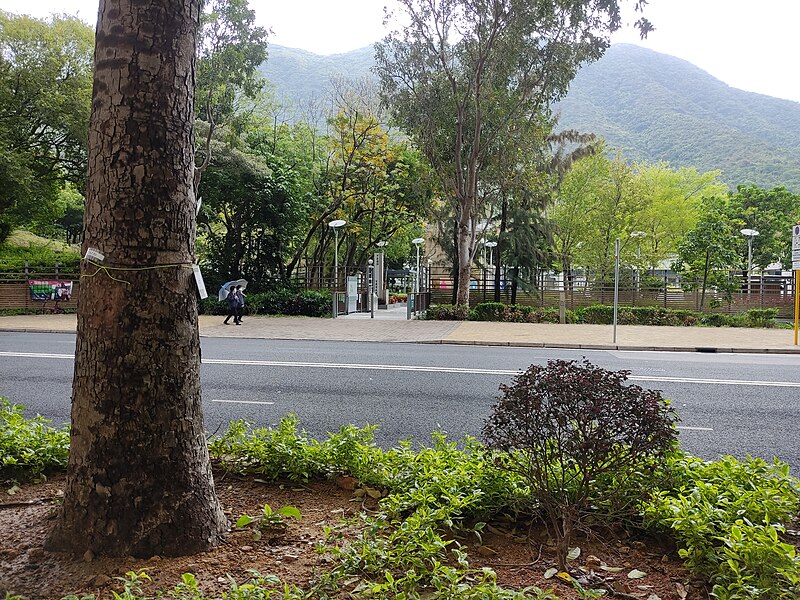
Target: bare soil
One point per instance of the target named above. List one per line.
(33, 573)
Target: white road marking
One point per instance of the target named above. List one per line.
(243, 402)
(36, 355)
(426, 369)
(686, 428)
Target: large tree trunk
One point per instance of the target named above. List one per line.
(139, 479)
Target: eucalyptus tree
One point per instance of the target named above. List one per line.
(45, 98)
(461, 70)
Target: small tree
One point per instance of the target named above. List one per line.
(567, 425)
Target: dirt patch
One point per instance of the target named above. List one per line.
(520, 559)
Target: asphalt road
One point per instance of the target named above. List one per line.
(728, 403)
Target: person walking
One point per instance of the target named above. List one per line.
(232, 306)
(239, 305)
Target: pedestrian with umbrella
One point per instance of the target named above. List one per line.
(228, 292)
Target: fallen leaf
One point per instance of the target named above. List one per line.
(13, 490)
(550, 573)
(611, 569)
(653, 597)
(565, 576)
(573, 553)
(486, 551)
(373, 493)
(636, 574)
(681, 591)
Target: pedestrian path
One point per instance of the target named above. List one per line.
(362, 328)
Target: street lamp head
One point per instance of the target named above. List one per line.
(749, 232)
(418, 241)
(337, 223)
(490, 244)
(369, 262)
(382, 244)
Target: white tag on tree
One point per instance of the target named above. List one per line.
(199, 204)
(94, 254)
(198, 277)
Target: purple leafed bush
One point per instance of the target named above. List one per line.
(571, 427)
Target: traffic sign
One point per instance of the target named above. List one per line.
(796, 247)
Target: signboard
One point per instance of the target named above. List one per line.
(61, 291)
(796, 247)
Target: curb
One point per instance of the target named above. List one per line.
(491, 343)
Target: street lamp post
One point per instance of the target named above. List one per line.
(335, 226)
(417, 242)
(381, 282)
(491, 246)
(749, 234)
(638, 235)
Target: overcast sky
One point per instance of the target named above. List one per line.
(748, 45)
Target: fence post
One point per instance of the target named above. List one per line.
(665, 290)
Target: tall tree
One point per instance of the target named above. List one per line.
(45, 97)
(707, 253)
(231, 49)
(461, 70)
(139, 479)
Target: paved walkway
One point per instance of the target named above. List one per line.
(364, 329)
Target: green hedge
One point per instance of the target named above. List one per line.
(277, 302)
(655, 315)
(600, 314)
(516, 313)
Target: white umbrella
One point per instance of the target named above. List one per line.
(223, 291)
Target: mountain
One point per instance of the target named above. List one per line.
(653, 106)
(658, 107)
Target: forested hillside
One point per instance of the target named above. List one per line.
(653, 106)
(658, 107)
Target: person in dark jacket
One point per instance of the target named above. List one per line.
(232, 306)
(239, 305)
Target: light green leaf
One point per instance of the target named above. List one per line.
(244, 521)
(636, 574)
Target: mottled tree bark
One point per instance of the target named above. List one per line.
(139, 479)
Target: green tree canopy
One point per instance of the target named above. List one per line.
(45, 99)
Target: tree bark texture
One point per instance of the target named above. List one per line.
(139, 479)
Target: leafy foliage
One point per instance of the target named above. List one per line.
(45, 91)
(514, 313)
(277, 302)
(567, 424)
(29, 447)
(727, 517)
(600, 314)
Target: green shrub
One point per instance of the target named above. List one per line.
(761, 317)
(564, 425)
(597, 314)
(488, 311)
(516, 313)
(29, 447)
(309, 303)
(727, 517)
(447, 312)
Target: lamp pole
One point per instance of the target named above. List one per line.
(417, 242)
(381, 281)
(749, 234)
(491, 247)
(335, 226)
(638, 235)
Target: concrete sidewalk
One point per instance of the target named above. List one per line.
(595, 337)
